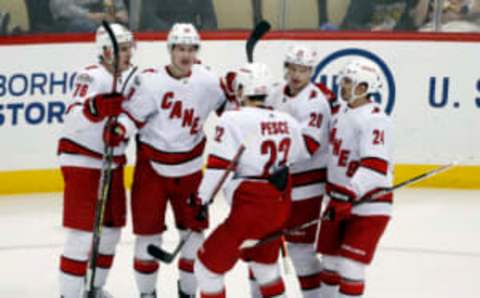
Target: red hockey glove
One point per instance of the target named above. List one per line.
(196, 214)
(103, 105)
(339, 208)
(114, 133)
(228, 81)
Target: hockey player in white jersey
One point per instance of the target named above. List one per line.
(259, 196)
(80, 150)
(169, 106)
(360, 164)
(310, 105)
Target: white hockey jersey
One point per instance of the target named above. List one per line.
(81, 140)
(170, 113)
(312, 109)
(272, 139)
(360, 159)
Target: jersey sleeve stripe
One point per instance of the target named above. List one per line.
(217, 162)
(311, 144)
(172, 158)
(375, 164)
(70, 147)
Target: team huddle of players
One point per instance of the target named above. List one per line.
(302, 149)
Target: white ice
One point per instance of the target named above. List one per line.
(431, 249)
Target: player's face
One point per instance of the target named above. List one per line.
(125, 56)
(346, 85)
(184, 56)
(298, 76)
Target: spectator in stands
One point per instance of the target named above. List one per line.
(160, 15)
(40, 16)
(456, 16)
(380, 15)
(86, 15)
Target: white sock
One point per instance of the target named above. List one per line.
(73, 263)
(188, 254)
(145, 267)
(307, 266)
(70, 285)
(254, 286)
(330, 277)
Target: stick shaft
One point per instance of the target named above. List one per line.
(412, 180)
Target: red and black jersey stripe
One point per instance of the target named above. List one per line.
(309, 177)
(171, 158)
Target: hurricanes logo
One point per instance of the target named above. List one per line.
(327, 73)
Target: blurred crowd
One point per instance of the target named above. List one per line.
(44, 16)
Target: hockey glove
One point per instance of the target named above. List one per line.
(228, 85)
(280, 178)
(114, 133)
(196, 214)
(339, 207)
(103, 105)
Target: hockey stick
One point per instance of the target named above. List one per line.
(167, 257)
(257, 33)
(254, 243)
(104, 184)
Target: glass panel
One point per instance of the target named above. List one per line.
(401, 15)
(371, 15)
(450, 15)
(46, 16)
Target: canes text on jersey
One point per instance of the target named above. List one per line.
(177, 111)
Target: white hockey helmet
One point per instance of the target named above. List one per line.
(254, 79)
(103, 41)
(301, 55)
(361, 70)
(183, 33)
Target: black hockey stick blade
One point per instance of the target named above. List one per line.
(160, 254)
(257, 33)
(116, 52)
(164, 256)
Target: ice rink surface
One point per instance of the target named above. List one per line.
(431, 250)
